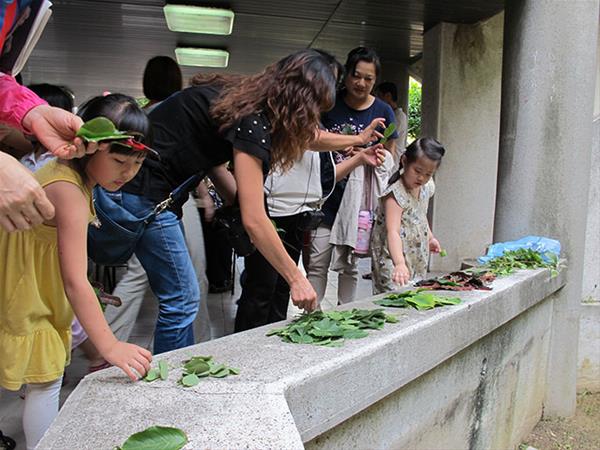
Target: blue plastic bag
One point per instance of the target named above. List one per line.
(539, 244)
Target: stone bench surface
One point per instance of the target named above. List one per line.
(287, 394)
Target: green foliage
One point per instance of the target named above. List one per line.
(414, 110)
(331, 328)
(443, 253)
(162, 372)
(417, 299)
(142, 101)
(387, 133)
(199, 367)
(100, 129)
(522, 258)
(156, 438)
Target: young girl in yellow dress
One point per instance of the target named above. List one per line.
(44, 278)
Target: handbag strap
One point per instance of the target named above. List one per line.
(176, 194)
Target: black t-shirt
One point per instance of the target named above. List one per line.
(345, 120)
(188, 142)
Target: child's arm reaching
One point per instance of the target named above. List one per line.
(434, 244)
(71, 221)
(393, 223)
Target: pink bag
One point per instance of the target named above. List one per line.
(365, 217)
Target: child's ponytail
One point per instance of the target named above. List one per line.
(425, 146)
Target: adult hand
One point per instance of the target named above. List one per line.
(55, 128)
(401, 275)
(303, 295)
(23, 202)
(370, 134)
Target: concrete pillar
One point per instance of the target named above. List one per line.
(591, 260)
(462, 68)
(545, 145)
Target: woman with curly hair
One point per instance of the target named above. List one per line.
(258, 122)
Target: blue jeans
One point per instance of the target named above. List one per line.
(163, 254)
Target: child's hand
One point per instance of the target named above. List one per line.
(401, 274)
(434, 245)
(129, 356)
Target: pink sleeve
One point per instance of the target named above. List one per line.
(15, 102)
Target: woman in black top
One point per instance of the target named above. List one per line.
(259, 122)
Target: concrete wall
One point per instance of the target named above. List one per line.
(486, 397)
(466, 376)
(588, 363)
(461, 108)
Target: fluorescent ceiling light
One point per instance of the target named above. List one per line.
(205, 57)
(198, 19)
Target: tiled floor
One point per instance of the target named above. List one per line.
(221, 311)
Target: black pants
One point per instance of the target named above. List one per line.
(218, 255)
(265, 293)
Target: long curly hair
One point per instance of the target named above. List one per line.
(292, 92)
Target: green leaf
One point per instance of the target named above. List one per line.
(234, 371)
(355, 334)
(156, 438)
(153, 374)
(190, 380)
(396, 303)
(391, 319)
(100, 129)
(387, 133)
(443, 253)
(422, 300)
(163, 369)
(196, 365)
(142, 101)
(222, 373)
(448, 300)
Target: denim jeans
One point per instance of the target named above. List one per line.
(166, 260)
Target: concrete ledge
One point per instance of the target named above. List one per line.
(289, 394)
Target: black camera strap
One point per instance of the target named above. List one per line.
(177, 195)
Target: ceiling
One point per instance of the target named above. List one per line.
(97, 45)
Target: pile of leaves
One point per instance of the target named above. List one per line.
(156, 438)
(331, 328)
(462, 280)
(194, 369)
(522, 258)
(199, 367)
(417, 299)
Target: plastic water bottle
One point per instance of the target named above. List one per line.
(365, 223)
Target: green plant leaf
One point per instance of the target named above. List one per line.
(100, 129)
(163, 369)
(153, 374)
(196, 365)
(387, 133)
(448, 300)
(234, 371)
(443, 253)
(156, 438)
(355, 334)
(422, 300)
(190, 380)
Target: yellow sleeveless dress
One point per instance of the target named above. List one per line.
(35, 315)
